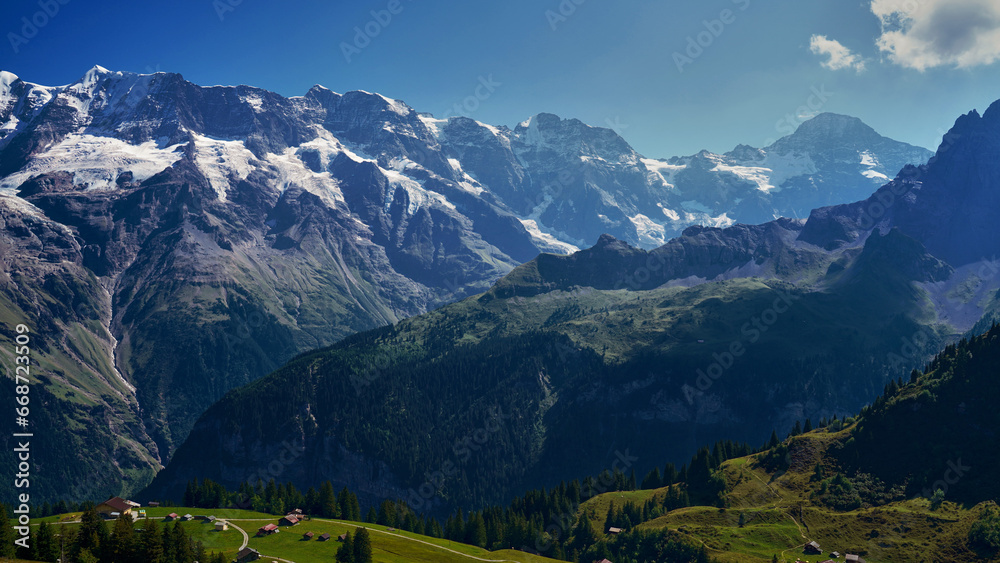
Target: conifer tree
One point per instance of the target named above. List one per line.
(346, 552)
(583, 534)
(29, 552)
(122, 544)
(476, 531)
(182, 544)
(328, 505)
(169, 549)
(652, 480)
(6, 535)
(151, 540)
(46, 549)
(669, 475)
(91, 534)
(362, 546)
(343, 504)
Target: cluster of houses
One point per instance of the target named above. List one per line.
(114, 507)
(813, 548)
(290, 519)
(293, 518)
(220, 525)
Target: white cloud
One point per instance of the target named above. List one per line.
(923, 34)
(840, 57)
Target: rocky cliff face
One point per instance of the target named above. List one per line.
(170, 242)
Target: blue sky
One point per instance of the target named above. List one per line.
(906, 67)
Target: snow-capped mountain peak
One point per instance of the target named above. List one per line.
(563, 179)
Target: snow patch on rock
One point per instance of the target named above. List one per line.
(96, 162)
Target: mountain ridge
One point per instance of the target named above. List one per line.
(202, 236)
(691, 323)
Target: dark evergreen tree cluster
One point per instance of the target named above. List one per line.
(542, 521)
(356, 548)
(143, 541)
(641, 547)
(275, 498)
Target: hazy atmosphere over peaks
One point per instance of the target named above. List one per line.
(671, 77)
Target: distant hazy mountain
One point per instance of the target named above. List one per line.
(575, 182)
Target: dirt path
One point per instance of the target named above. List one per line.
(776, 506)
(246, 538)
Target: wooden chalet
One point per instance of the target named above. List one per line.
(288, 520)
(267, 530)
(247, 554)
(812, 548)
(114, 506)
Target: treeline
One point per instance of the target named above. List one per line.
(274, 498)
(93, 542)
(60, 507)
(541, 521)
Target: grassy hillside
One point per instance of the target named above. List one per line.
(860, 488)
(389, 545)
(774, 512)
